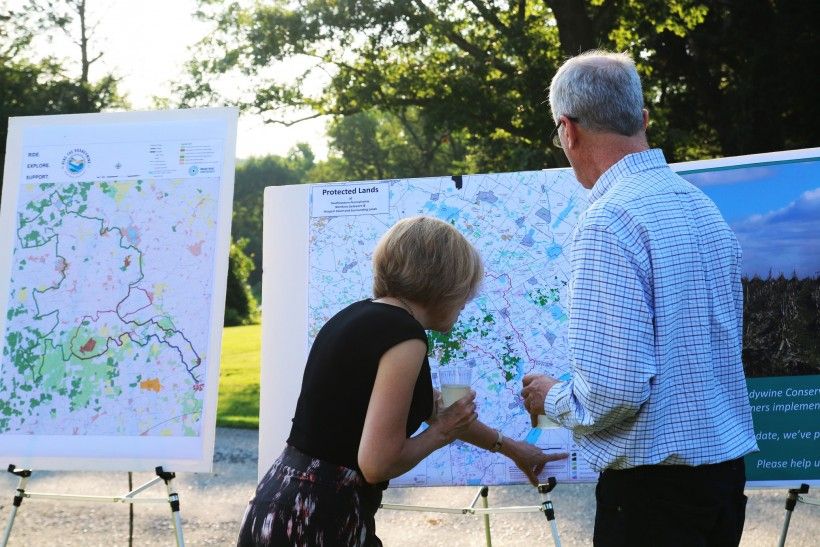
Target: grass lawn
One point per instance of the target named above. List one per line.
(239, 377)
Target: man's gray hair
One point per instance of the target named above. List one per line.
(602, 90)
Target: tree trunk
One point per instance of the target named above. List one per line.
(85, 63)
(575, 28)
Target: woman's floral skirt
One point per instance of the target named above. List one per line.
(306, 501)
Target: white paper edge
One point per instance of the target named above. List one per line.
(284, 314)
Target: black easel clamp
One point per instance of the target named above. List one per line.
(546, 505)
(548, 487)
(794, 493)
(164, 475)
(19, 472)
(545, 489)
(549, 512)
(17, 501)
(173, 497)
(791, 502)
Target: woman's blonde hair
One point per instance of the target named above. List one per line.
(428, 261)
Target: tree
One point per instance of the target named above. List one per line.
(474, 70)
(44, 86)
(744, 79)
(378, 145)
(252, 176)
(781, 322)
(241, 307)
(477, 70)
(71, 17)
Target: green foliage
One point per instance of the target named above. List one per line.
(448, 69)
(44, 86)
(742, 81)
(333, 169)
(28, 88)
(720, 78)
(239, 377)
(241, 307)
(379, 145)
(252, 176)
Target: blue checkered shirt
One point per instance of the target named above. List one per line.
(655, 325)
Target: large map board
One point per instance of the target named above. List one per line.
(318, 244)
(114, 237)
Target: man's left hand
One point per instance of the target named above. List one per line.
(536, 387)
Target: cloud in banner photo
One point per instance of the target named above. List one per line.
(775, 210)
(785, 240)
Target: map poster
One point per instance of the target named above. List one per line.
(318, 247)
(521, 223)
(114, 239)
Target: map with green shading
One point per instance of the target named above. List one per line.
(522, 224)
(99, 338)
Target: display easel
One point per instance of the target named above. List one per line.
(545, 507)
(791, 503)
(130, 498)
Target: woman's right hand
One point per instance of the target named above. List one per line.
(450, 422)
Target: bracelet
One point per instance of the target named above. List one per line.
(498, 442)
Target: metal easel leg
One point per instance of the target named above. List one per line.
(24, 474)
(484, 492)
(549, 512)
(791, 502)
(130, 511)
(173, 500)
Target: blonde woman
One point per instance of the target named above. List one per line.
(367, 389)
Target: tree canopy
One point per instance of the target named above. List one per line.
(31, 85)
(241, 306)
(252, 176)
(469, 77)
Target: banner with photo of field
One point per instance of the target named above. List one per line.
(772, 202)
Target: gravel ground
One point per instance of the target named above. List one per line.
(212, 504)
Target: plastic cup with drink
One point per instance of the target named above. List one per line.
(454, 382)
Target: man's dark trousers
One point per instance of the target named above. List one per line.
(671, 505)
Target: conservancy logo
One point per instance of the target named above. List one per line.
(75, 162)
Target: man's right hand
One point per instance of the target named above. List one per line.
(536, 387)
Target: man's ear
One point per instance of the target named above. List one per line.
(645, 119)
(570, 133)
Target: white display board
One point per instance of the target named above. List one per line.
(114, 240)
(318, 244)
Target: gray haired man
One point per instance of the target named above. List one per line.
(657, 400)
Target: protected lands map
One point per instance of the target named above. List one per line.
(521, 223)
(99, 338)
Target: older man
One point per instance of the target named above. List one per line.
(657, 400)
